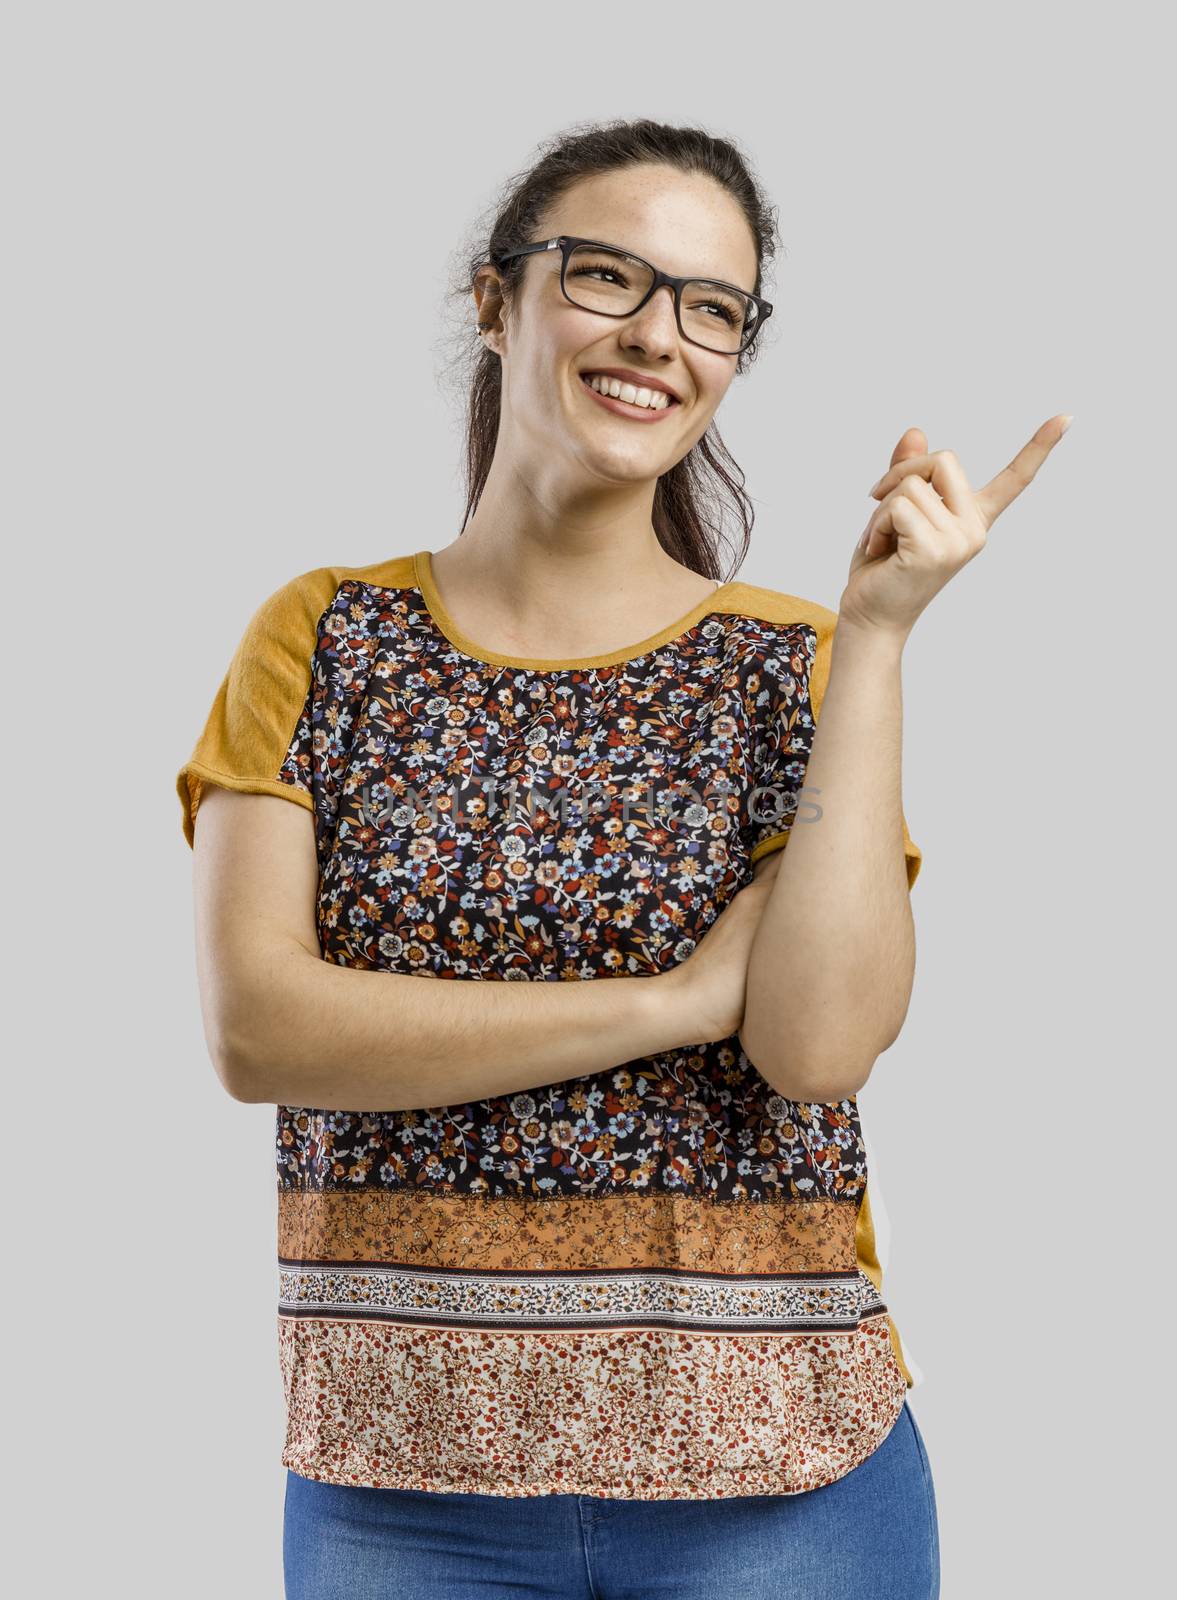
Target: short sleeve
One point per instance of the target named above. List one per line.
(792, 678)
(254, 734)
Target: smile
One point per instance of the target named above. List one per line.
(623, 408)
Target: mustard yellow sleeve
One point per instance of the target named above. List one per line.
(791, 736)
(251, 737)
(866, 1250)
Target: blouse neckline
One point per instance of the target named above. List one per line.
(445, 624)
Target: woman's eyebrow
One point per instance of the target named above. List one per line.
(711, 277)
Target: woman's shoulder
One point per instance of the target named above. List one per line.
(777, 607)
(294, 610)
(323, 583)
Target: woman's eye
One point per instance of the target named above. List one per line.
(597, 272)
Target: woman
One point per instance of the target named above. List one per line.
(585, 1300)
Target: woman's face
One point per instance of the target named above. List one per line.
(687, 225)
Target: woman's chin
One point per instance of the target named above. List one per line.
(627, 463)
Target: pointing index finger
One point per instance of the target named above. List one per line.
(1002, 490)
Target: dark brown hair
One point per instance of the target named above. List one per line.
(689, 500)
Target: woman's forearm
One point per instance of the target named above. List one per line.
(832, 963)
(338, 1038)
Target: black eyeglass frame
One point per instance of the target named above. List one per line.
(567, 242)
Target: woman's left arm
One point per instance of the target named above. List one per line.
(833, 957)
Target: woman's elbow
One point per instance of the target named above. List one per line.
(234, 1016)
(249, 1006)
(822, 1080)
(235, 1063)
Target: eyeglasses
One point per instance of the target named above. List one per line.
(601, 278)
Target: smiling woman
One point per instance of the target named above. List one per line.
(676, 197)
(568, 1239)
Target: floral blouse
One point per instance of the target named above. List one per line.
(656, 1281)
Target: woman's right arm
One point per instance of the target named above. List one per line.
(285, 1027)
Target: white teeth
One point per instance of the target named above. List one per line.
(652, 399)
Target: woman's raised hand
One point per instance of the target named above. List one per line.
(928, 524)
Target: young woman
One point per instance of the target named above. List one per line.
(578, 1286)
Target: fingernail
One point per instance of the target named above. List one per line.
(865, 535)
(874, 486)
(1067, 422)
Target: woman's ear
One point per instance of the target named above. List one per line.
(488, 301)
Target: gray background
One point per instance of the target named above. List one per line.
(226, 337)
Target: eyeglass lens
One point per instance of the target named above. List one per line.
(612, 282)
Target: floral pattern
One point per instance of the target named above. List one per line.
(475, 820)
(638, 1282)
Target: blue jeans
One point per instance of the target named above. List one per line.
(871, 1532)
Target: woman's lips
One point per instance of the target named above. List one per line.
(623, 408)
